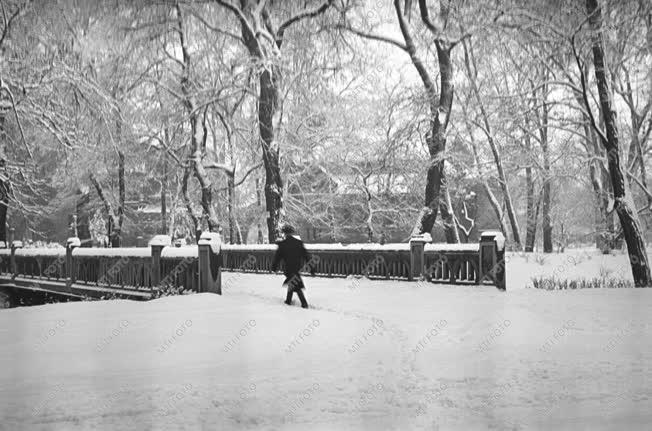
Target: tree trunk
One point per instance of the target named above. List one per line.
(546, 216)
(198, 132)
(546, 222)
(435, 193)
(186, 200)
(117, 238)
(448, 217)
(231, 207)
(83, 221)
(502, 179)
(4, 206)
(112, 224)
(114, 219)
(500, 218)
(164, 188)
(531, 225)
(622, 201)
(4, 194)
(164, 192)
(267, 110)
(370, 212)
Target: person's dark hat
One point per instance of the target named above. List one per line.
(287, 229)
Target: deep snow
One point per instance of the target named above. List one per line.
(434, 358)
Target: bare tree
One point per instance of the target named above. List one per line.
(623, 204)
(115, 218)
(437, 197)
(264, 41)
(472, 72)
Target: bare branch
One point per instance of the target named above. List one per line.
(298, 17)
(375, 37)
(4, 87)
(416, 61)
(248, 31)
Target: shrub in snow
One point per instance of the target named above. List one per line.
(540, 259)
(551, 283)
(170, 290)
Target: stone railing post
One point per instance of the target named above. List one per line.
(210, 262)
(417, 261)
(14, 267)
(492, 258)
(157, 244)
(71, 273)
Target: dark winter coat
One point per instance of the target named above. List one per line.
(292, 251)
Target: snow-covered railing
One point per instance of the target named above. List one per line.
(126, 269)
(460, 263)
(160, 266)
(46, 263)
(441, 263)
(330, 260)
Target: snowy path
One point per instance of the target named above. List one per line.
(247, 361)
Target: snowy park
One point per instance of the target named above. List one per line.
(368, 355)
(331, 215)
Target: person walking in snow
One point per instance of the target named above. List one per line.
(292, 251)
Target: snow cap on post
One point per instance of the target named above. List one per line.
(213, 239)
(422, 237)
(160, 240)
(496, 236)
(73, 242)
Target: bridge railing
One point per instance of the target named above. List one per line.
(477, 263)
(124, 268)
(161, 266)
(46, 263)
(391, 261)
(101, 270)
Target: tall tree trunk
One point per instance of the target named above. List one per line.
(531, 224)
(542, 124)
(186, 200)
(4, 206)
(83, 220)
(4, 193)
(502, 179)
(267, 110)
(500, 218)
(546, 220)
(436, 196)
(622, 201)
(114, 218)
(266, 52)
(164, 186)
(370, 211)
(231, 207)
(448, 217)
(198, 131)
(164, 192)
(605, 229)
(117, 238)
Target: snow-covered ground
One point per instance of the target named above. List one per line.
(370, 355)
